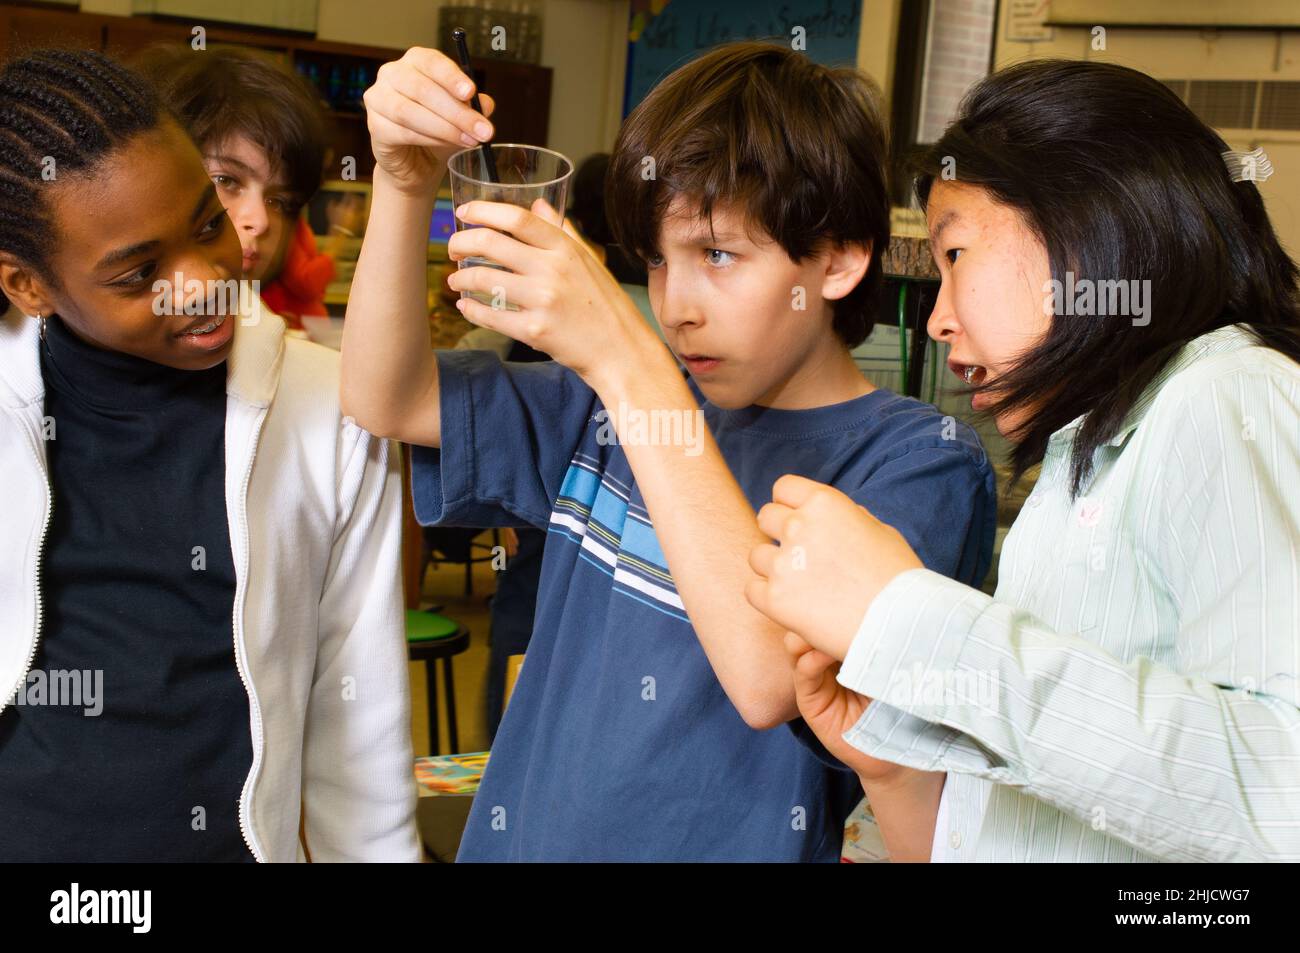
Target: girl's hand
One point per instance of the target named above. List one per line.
(830, 709)
(419, 116)
(833, 560)
(568, 304)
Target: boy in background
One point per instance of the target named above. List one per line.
(261, 131)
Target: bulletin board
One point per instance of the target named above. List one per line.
(664, 34)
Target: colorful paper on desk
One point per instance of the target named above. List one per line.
(450, 773)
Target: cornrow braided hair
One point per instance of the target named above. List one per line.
(72, 106)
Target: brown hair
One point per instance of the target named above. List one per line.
(227, 91)
(800, 147)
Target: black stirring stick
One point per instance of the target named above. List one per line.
(489, 160)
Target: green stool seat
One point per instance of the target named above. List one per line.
(423, 626)
(430, 637)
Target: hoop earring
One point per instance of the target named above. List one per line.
(41, 318)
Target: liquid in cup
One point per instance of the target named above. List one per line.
(526, 173)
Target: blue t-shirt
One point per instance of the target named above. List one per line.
(619, 743)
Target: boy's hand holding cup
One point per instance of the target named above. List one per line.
(556, 296)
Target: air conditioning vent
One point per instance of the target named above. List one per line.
(1279, 106)
(1241, 104)
(1223, 104)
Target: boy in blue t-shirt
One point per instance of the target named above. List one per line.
(648, 720)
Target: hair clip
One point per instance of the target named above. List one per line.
(1250, 166)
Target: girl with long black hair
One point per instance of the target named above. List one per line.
(1113, 291)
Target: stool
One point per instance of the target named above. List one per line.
(430, 637)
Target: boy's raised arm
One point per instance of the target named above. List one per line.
(389, 375)
(418, 118)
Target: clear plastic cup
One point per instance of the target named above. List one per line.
(525, 173)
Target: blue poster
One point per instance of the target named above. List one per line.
(664, 34)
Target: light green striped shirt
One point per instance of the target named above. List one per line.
(1130, 691)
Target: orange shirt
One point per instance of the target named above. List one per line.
(300, 287)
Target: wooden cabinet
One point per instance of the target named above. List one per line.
(23, 29)
(124, 37)
(522, 93)
(522, 90)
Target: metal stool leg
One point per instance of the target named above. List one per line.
(452, 735)
(431, 687)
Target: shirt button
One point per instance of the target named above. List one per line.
(954, 840)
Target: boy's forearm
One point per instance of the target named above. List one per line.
(906, 808)
(706, 528)
(389, 375)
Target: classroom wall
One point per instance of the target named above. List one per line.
(876, 41)
(1201, 55)
(583, 41)
(114, 8)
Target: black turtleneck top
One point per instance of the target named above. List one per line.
(150, 765)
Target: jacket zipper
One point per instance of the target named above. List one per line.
(239, 662)
(40, 554)
(239, 638)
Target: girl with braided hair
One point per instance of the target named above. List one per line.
(201, 652)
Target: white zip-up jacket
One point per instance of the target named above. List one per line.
(314, 508)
